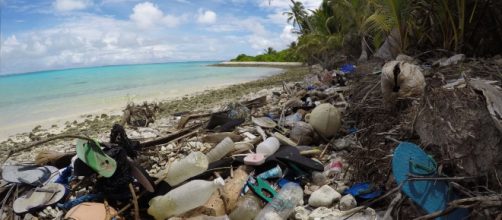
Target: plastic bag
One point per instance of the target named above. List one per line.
(401, 80)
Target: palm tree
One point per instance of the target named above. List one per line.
(297, 16)
(270, 51)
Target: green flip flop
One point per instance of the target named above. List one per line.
(92, 155)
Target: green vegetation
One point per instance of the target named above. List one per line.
(349, 29)
(270, 55)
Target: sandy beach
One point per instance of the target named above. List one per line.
(112, 108)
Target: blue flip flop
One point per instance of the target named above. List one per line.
(431, 195)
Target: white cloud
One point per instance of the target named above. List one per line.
(262, 38)
(147, 15)
(206, 17)
(71, 5)
(80, 43)
(172, 21)
(257, 32)
(287, 34)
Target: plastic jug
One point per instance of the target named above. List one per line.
(193, 164)
(268, 147)
(184, 198)
(220, 150)
(283, 204)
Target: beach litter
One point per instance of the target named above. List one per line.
(322, 148)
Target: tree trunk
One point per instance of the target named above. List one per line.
(364, 51)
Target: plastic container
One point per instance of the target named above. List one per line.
(220, 150)
(325, 119)
(283, 204)
(268, 147)
(184, 198)
(247, 208)
(193, 164)
(275, 172)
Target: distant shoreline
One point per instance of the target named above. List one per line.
(259, 64)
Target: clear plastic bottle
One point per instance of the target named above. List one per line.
(290, 120)
(184, 198)
(283, 203)
(193, 164)
(268, 147)
(220, 150)
(247, 208)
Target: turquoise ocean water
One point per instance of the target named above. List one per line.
(30, 99)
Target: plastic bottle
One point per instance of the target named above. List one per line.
(290, 120)
(240, 147)
(283, 203)
(275, 172)
(184, 198)
(268, 147)
(220, 150)
(247, 208)
(193, 164)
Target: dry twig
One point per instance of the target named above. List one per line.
(135, 202)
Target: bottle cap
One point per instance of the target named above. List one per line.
(254, 159)
(219, 181)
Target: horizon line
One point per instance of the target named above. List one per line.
(112, 65)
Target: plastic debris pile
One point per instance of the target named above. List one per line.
(341, 144)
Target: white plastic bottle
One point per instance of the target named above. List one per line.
(184, 198)
(283, 203)
(193, 164)
(220, 150)
(268, 147)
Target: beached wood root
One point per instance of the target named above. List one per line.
(139, 115)
(32, 145)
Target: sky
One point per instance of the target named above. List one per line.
(38, 35)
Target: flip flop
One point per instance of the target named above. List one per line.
(363, 191)
(431, 195)
(264, 122)
(91, 154)
(90, 211)
(31, 174)
(289, 154)
(39, 198)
